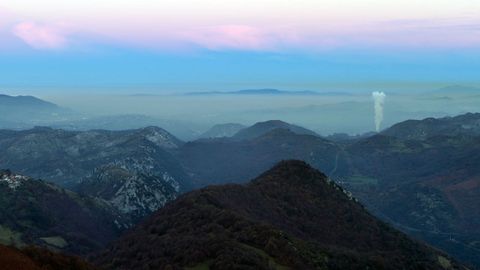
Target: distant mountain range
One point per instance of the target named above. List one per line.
(458, 90)
(25, 111)
(267, 91)
(324, 112)
(290, 217)
(447, 90)
(25, 101)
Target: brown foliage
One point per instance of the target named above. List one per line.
(33, 258)
(290, 216)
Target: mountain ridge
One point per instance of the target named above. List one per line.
(7, 100)
(265, 91)
(144, 156)
(278, 221)
(26, 111)
(36, 212)
(465, 124)
(222, 130)
(261, 128)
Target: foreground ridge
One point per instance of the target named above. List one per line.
(290, 217)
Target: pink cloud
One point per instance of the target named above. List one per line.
(238, 37)
(5, 17)
(40, 36)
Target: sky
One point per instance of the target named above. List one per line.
(171, 46)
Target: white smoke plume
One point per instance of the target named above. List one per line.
(379, 100)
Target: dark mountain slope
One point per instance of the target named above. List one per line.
(36, 152)
(466, 124)
(33, 258)
(222, 130)
(262, 128)
(135, 195)
(291, 217)
(429, 188)
(447, 165)
(92, 159)
(238, 161)
(36, 212)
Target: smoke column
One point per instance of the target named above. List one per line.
(379, 100)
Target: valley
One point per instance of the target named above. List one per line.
(420, 176)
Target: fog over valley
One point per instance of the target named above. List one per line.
(324, 112)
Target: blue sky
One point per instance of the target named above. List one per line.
(135, 71)
(187, 45)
